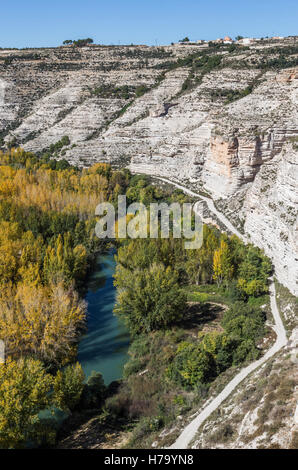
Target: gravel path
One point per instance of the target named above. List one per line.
(210, 205)
(191, 429)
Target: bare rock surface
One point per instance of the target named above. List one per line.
(220, 121)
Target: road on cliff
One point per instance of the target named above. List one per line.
(191, 429)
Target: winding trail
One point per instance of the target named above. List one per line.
(210, 205)
(191, 429)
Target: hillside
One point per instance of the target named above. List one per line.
(217, 118)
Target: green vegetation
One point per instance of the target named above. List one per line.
(26, 389)
(182, 340)
(199, 363)
(55, 150)
(47, 247)
(78, 42)
(294, 141)
(123, 92)
(149, 299)
(144, 54)
(231, 95)
(141, 90)
(288, 307)
(277, 63)
(173, 364)
(109, 91)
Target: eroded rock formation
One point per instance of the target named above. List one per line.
(226, 128)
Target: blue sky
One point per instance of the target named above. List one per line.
(33, 23)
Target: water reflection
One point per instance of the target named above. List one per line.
(104, 347)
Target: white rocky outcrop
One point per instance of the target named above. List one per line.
(271, 216)
(240, 151)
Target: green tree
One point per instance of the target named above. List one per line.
(149, 299)
(68, 387)
(94, 391)
(244, 326)
(24, 391)
(192, 365)
(222, 263)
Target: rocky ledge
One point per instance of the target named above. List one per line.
(221, 120)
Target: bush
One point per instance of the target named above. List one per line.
(94, 391)
(149, 299)
(118, 405)
(133, 366)
(68, 387)
(192, 366)
(141, 90)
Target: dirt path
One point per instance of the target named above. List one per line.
(191, 429)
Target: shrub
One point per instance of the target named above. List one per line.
(224, 433)
(68, 387)
(149, 299)
(94, 391)
(191, 366)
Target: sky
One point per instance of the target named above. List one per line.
(41, 23)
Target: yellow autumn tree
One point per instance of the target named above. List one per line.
(24, 391)
(222, 264)
(41, 321)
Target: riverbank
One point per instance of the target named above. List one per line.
(145, 375)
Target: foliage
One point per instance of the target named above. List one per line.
(223, 259)
(94, 391)
(199, 363)
(78, 42)
(148, 299)
(47, 245)
(231, 95)
(68, 387)
(24, 391)
(43, 321)
(222, 264)
(192, 365)
(109, 91)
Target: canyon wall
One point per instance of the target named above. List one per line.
(225, 127)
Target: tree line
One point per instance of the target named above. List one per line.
(47, 247)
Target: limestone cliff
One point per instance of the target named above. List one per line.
(221, 120)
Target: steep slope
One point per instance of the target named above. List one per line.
(220, 120)
(263, 411)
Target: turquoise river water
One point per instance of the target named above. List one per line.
(104, 347)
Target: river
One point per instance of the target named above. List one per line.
(104, 347)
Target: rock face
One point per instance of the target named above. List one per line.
(220, 121)
(270, 211)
